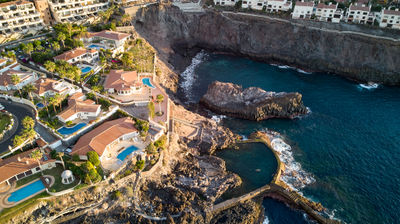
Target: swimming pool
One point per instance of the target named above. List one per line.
(86, 69)
(67, 131)
(39, 105)
(147, 82)
(26, 191)
(122, 155)
(98, 47)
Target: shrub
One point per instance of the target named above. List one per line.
(93, 157)
(139, 165)
(129, 191)
(117, 195)
(53, 154)
(75, 157)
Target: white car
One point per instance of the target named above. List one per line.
(1, 107)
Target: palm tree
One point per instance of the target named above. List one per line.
(28, 122)
(96, 89)
(58, 99)
(61, 37)
(70, 28)
(28, 49)
(56, 46)
(60, 155)
(125, 18)
(44, 99)
(103, 62)
(50, 66)
(160, 99)
(37, 155)
(53, 102)
(15, 79)
(29, 89)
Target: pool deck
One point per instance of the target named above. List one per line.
(4, 203)
(143, 95)
(111, 162)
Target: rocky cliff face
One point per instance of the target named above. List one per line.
(363, 58)
(252, 103)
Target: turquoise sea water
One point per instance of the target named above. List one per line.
(350, 142)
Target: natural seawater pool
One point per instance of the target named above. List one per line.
(70, 130)
(350, 142)
(26, 191)
(122, 155)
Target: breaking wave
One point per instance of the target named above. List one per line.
(369, 86)
(266, 220)
(189, 76)
(218, 118)
(294, 176)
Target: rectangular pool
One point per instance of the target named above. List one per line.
(26, 191)
(67, 131)
(122, 155)
(98, 47)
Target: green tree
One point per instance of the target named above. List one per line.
(28, 122)
(139, 165)
(160, 99)
(15, 79)
(29, 89)
(151, 109)
(93, 157)
(151, 149)
(28, 49)
(96, 89)
(127, 59)
(60, 155)
(37, 155)
(18, 140)
(58, 100)
(61, 37)
(44, 100)
(56, 46)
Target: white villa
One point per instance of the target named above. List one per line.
(49, 87)
(79, 107)
(79, 55)
(105, 138)
(328, 13)
(107, 39)
(122, 82)
(303, 10)
(225, 2)
(76, 10)
(360, 14)
(389, 18)
(270, 5)
(7, 72)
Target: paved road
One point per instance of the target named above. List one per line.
(19, 111)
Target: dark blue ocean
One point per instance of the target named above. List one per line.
(350, 142)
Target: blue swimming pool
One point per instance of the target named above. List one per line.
(147, 82)
(98, 47)
(26, 191)
(67, 131)
(86, 69)
(39, 105)
(122, 155)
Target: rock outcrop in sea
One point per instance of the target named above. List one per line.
(252, 103)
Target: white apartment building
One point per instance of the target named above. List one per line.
(76, 10)
(278, 5)
(19, 16)
(358, 13)
(303, 10)
(328, 13)
(389, 18)
(225, 2)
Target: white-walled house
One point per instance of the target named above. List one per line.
(328, 13)
(303, 10)
(358, 13)
(278, 5)
(79, 55)
(7, 72)
(389, 18)
(79, 107)
(122, 82)
(105, 137)
(107, 39)
(225, 2)
(49, 87)
(254, 4)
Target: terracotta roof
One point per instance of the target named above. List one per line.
(11, 166)
(15, 3)
(44, 85)
(107, 34)
(359, 7)
(100, 137)
(391, 12)
(121, 80)
(309, 4)
(76, 105)
(323, 6)
(2, 60)
(5, 77)
(73, 53)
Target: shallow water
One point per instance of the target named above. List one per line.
(350, 143)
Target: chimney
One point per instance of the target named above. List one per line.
(42, 81)
(19, 159)
(27, 162)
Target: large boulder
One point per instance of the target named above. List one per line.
(252, 103)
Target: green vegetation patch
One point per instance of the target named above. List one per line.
(5, 120)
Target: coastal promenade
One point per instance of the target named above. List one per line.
(276, 189)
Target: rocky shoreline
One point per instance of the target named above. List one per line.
(252, 103)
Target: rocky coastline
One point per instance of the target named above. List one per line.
(252, 103)
(178, 35)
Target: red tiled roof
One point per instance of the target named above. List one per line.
(76, 105)
(44, 85)
(121, 80)
(359, 7)
(391, 12)
(310, 4)
(107, 34)
(73, 53)
(323, 6)
(98, 139)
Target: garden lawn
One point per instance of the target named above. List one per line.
(4, 121)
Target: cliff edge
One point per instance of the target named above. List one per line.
(252, 103)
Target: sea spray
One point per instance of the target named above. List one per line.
(189, 76)
(218, 118)
(266, 220)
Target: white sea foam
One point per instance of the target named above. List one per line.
(369, 86)
(284, 66)
(304, 72)
(189, 76)
(218, 118)
(244, 137)
(294, 176)
(266, 220)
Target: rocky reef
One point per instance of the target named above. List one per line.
(313, 46)
(252, 103)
